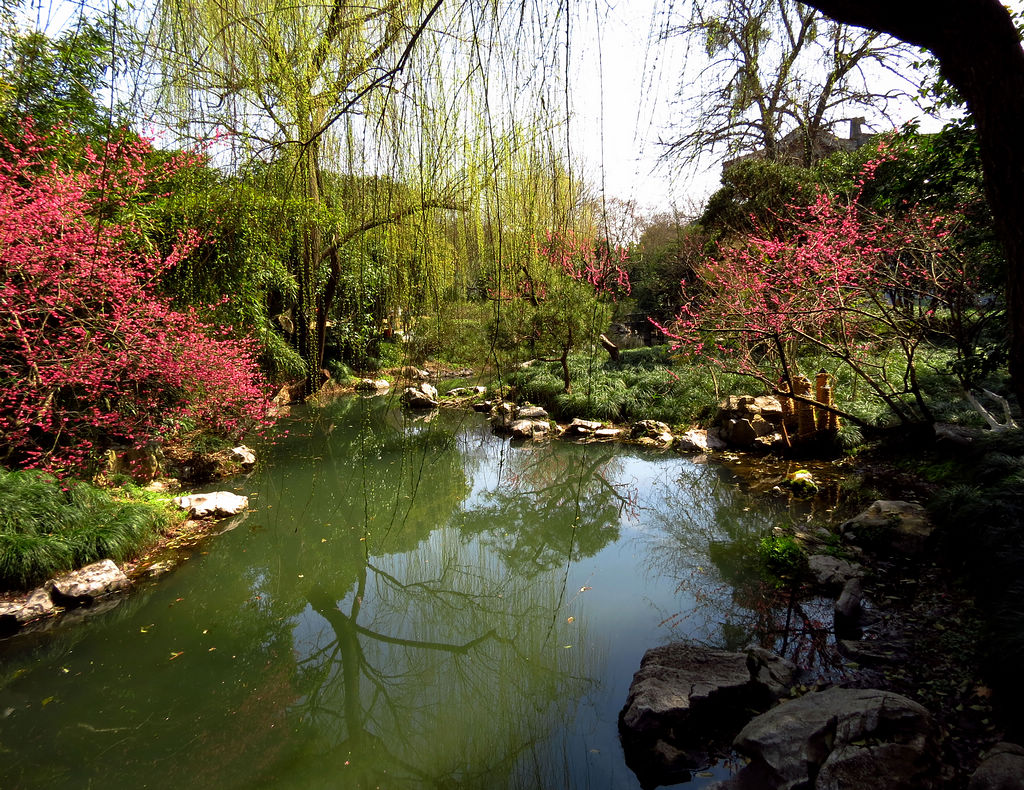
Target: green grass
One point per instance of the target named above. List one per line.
(49, 525)
(639, 386)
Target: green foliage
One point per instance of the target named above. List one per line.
(776, 560)
(56, 81)
(455, 333)
(756, 194)
(782, 559)
(241, 271)
(668, 253)
(638, 386)
(48, 526)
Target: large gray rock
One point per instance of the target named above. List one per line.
(373, 386)
(502, 416)
(581, 428)
(652, 433)
(216, 504)
(422, 397)
(699, 440)
(1002, 768)
(840, 739)
(832, 573)
(848, 609)
(243, 455)
(903, 527)
(529, 429)
(33, 606)
(687, 700)
(531, 413)
(88, 583)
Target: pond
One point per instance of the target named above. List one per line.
(407, 604)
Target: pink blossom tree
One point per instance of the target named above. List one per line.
(865, 291)
(91, 355)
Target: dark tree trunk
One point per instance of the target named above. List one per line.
(980, 53)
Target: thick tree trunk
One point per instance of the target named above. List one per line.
(980, 53)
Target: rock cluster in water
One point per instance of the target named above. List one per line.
(82, 587)
(688, 703)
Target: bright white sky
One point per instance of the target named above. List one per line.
(624, 108)
(623, 97)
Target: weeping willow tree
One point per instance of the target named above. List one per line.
(424, 143)
(314, 89)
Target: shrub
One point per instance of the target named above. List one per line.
(48, 526)
(91, 355)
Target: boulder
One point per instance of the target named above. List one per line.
(848, 608)
(608, 434)
(529, 429)
(413, 373)
(1001, 768)
(699, 440)
(216, 504)
(832, 573)
(739, 432)
(35, 605)
(531, 413)
(422, 397)
(503, 414)
(651, 428)
(686, 701)
(902, 527)
(840, 739)
(581, 428)
(750, 422)
(88, 583)
(651, 433)
(775, 673)
(373, 386)
(243, 455)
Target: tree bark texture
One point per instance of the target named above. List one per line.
(980, 53)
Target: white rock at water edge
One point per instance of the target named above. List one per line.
(243, 455)
(92, 581)
(216, 504)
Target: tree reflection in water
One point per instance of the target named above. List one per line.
(428, 646)
(708, 528)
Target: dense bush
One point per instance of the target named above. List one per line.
(90, 354)
(48, 526)
(639, 386)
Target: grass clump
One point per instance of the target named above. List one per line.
(48, 526)
(640, 385)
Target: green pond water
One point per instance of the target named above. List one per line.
(407, 604)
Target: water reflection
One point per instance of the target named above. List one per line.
(707, 544)
(408, 604)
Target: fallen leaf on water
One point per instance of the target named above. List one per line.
(570, 620)
(48, 700)
(566, 647)
(211, 650)
(175, 655)
(584, 589)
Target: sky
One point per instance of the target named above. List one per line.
(624, 97)
(623, 89)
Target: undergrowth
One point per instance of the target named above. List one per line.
(639, 386)
(49, 525)
(982, 521)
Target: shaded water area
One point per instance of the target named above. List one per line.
(407, 604)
